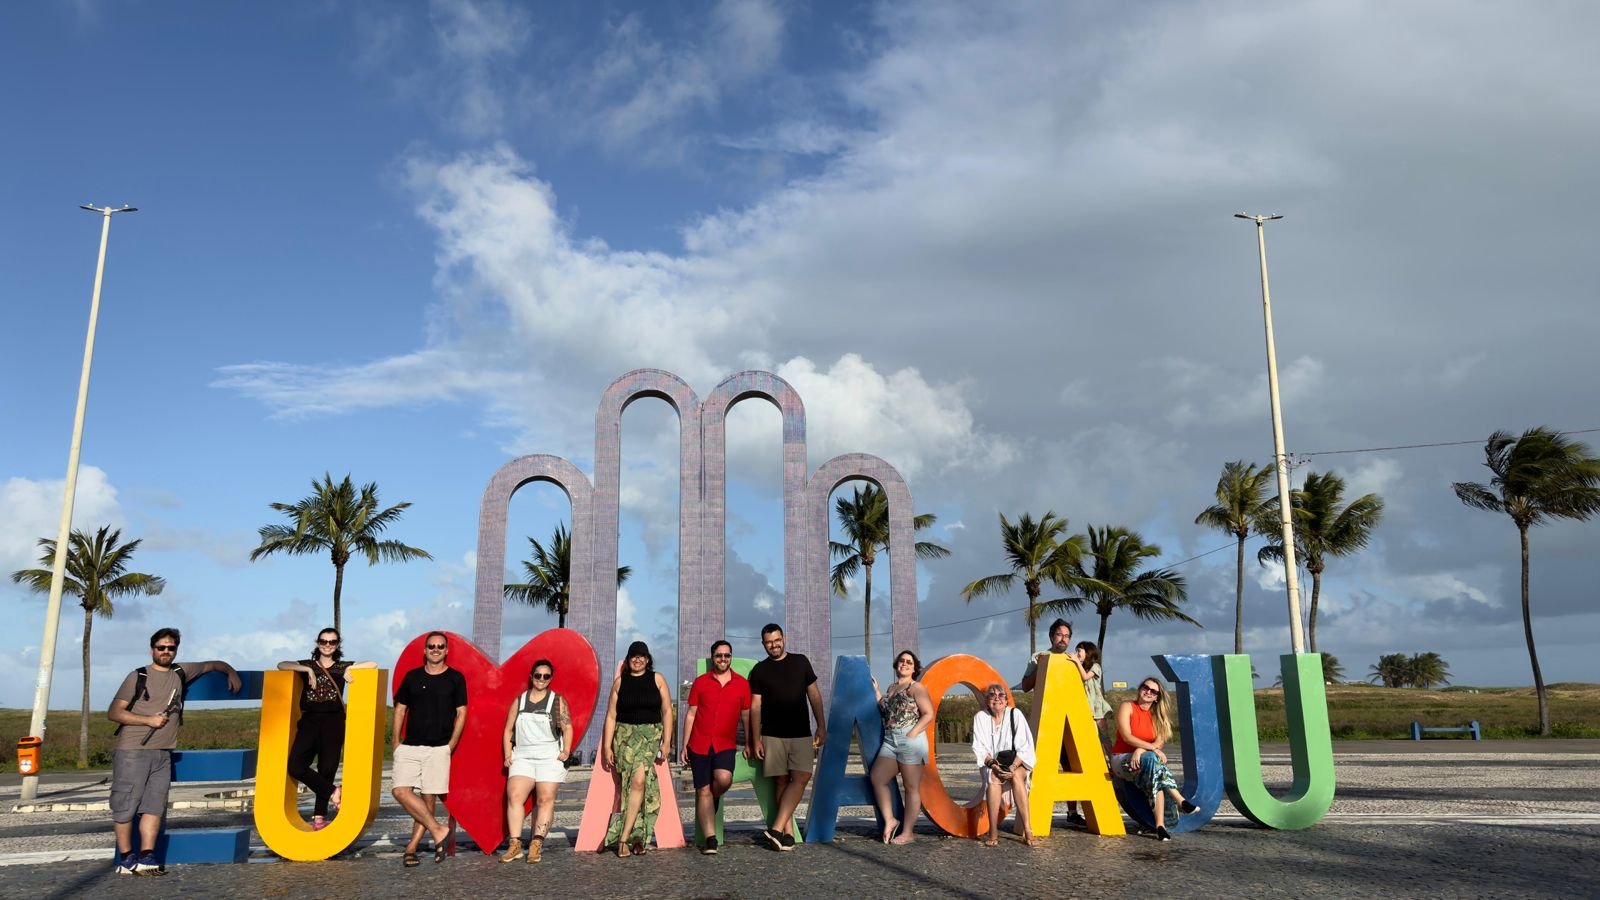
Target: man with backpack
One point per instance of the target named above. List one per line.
(148, 710)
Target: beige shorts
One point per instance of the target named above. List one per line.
(425, 768)
(785, 755)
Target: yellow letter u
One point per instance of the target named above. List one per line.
(278, 817)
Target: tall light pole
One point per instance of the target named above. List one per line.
(52, 615)
(1291, 572)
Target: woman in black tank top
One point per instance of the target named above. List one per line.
(637, 736)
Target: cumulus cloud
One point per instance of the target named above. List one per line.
(33, 511)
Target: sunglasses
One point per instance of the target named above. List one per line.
(332, 643)
(541, 676)
(437, 646)
(165, 648)
(1147, 689)
(722, 656)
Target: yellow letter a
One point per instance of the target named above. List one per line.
(1060, 718)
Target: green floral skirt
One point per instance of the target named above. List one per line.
(635, 748)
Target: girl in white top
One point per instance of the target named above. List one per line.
(537, 741)
(1000, 732)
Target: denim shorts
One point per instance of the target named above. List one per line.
(911, 751)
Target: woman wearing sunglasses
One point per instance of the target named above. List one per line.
(1003, 745)
(537, 741)
(1143, 727)
(907, 713)
(320, 733)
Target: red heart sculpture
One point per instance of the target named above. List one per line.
(477, 776)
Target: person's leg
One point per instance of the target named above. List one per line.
(789, 801)
(911, 777)
(705, 812)
(882, 776)
(420, 808)
(1019, 796)
(544, 809)
(329, 748)
(149, 830)
(991, 795)
(635, 801)
(125, 796)
(518, 787)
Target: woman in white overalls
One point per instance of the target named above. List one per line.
(538, 739)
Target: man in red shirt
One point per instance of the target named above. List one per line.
(719, 702)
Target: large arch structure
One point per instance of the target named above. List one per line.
(599, 620)
(488, 608)
(811, 622)
(734, 390)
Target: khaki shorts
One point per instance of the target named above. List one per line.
(785, 755)
(425, 768)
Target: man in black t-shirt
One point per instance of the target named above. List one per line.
(431, 706)
(782, 687)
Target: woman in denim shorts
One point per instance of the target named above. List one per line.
(907, 716)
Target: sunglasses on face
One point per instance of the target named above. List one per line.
(1147, 689)
(541, 676)
(165, 648)
(437, 646)
(330, 643)
(722, 656)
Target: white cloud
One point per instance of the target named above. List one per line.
(33, 511)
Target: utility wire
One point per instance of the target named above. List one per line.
(1420, 446)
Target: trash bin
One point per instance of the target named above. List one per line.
(28, 755)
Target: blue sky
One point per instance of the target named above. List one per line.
(411, 241)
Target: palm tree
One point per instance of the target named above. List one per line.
(1241, 503)
(339, 519)
(1109, 577)
(1323, 528)
(1539, 476)
(1429, 669)
(1392, 670)
(1037, 553)
(95, 575)
(549, 574)
(864, 519)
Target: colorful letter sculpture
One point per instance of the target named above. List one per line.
(1310, 743)
(766, 789)
(1060, 718)
(277, 808)
(1202, 745)
(603, 801)
(971, 818)
(854, 706)
(477, 770)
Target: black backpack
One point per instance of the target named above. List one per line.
(141, 690)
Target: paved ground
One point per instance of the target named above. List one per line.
(1413, 820)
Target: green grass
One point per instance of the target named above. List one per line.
(1356, 712)
(1369, 712)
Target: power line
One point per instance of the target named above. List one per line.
(1420, 446)
(995, 615)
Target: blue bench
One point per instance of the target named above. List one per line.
(1470, 728)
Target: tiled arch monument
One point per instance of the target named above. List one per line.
(701, 522)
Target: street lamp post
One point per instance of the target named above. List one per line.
(58, 568)
(1291, 572)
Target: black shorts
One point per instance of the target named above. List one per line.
(702, 765)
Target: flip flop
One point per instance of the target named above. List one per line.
(438, 853)
(411, 861)
(889, 829)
